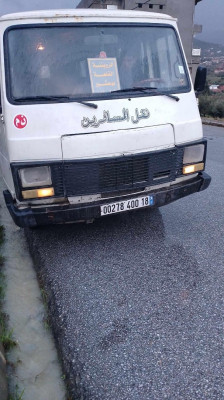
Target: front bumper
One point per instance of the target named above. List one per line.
(46, 215)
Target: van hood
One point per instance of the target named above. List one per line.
(117, 143)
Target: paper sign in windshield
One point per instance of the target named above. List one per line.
(103, 74)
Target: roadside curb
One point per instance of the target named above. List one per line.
(3, 370)
(3, 378)
(213, 123)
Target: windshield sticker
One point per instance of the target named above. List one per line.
(103, 74)
(103, 54)
(181, 69)
(94, 123)
(20, 121)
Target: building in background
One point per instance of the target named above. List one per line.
(183, 10)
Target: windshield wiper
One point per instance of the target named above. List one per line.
(154, 90)
(61, 99)
(133, 89)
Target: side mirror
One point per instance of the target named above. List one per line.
(200, 79)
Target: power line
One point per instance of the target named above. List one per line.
(96, 2)
(140, 5)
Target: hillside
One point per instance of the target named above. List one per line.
(206, 47)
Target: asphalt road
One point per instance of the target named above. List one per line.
(137, 299)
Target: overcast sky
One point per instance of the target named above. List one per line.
(209, 13)
(8, 6)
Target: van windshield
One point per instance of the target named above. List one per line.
(86, 61)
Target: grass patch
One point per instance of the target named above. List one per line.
(6, 336)
(44, 297)
(2, 277)
(2, 234)
(17, 395)
(46, 319)
(2, 284)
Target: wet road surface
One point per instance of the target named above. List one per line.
(137, 299)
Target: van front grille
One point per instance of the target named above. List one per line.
(121, 173)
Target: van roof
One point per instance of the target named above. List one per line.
(79, 13)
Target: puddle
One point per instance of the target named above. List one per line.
(35, 362)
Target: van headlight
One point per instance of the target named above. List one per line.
(35, 176)
(194, 158)
(194, 154)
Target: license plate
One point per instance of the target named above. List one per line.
(126, 205)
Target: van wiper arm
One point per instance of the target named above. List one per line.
(155, 91)
(159, 92)
(60, 99)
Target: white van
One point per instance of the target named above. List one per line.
(98, 115)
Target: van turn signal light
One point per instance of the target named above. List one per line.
(38, 193)
(190, 169)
